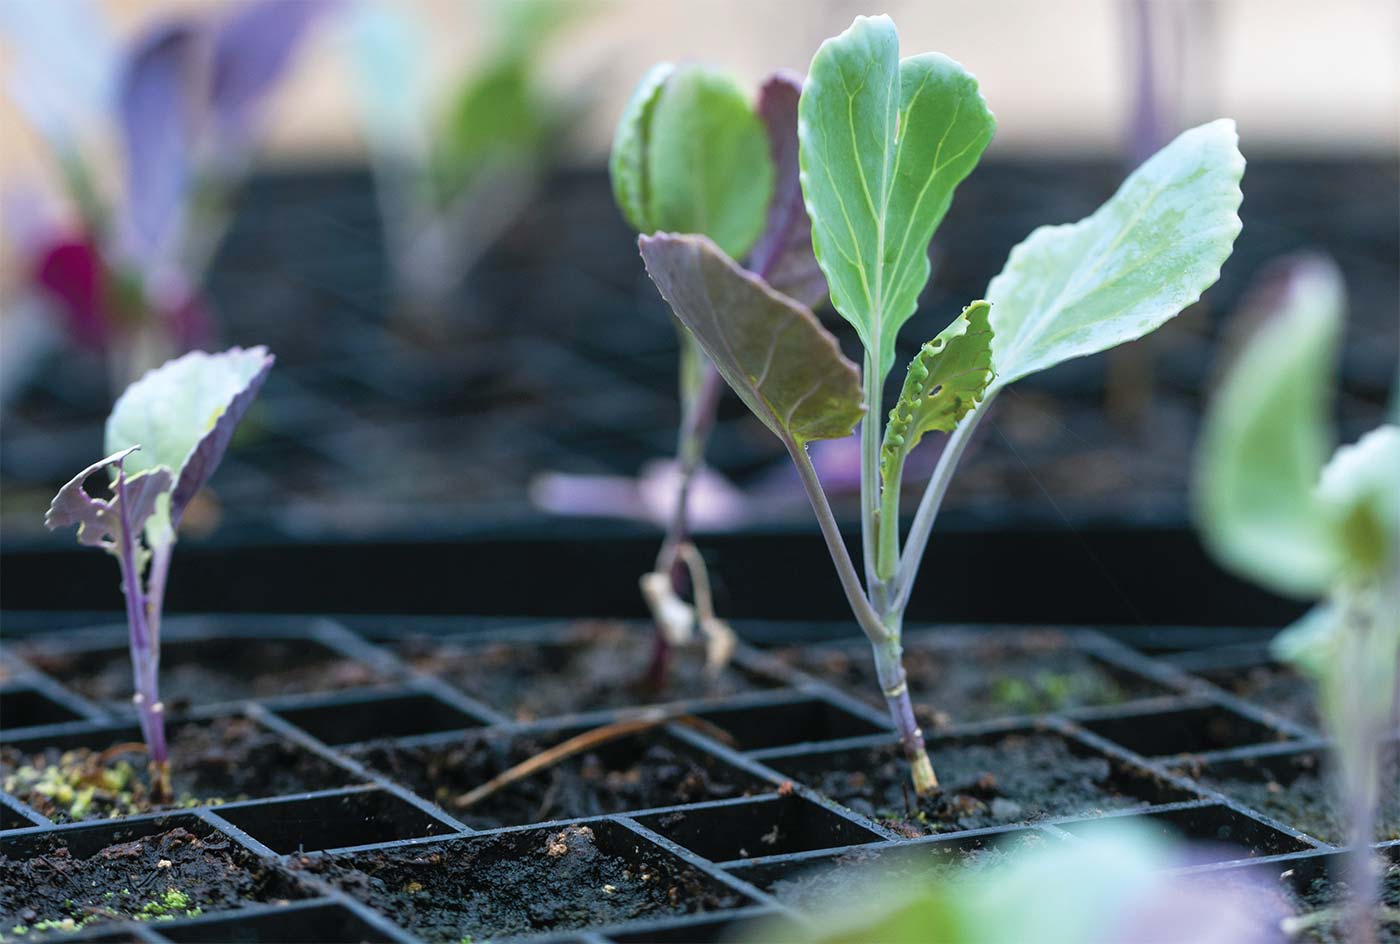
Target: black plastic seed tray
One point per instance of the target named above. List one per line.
(335, 811)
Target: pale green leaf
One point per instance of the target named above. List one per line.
(1360, 486)
(1072, 290)
(182, 415)
(945, 381)
(1264, 441)
(627, 163)
(883, 144)
(707, 165)
(778, 358)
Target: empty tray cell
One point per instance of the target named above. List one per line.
(1183, 731)
(586, 666)
(762, 827)
(1296, 789)
(353, 720)
(303, 922)
(24, 707)
(147, 870)
(1227, 834)
(206, 671)
(524, 882)
(804, 721)
(1001, 779)
(309, 824)
(697, 930)
(101, 772)
(959, 678)
(11, 818)
(812, 883)
(639, 772)
(1270, 685)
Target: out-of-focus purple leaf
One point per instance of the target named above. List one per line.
(71, 271)
(253, 49)
(184, 414)
(783, 254)
(99, 520)
(159, 96)
(714, 503)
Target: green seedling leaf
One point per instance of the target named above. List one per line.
(1360, 487)
(1264, 442)
(627, 165)
(778, 358)
(99, 520)
(884, 143)
(183, 415)
(1120, 273)
(945, 381)
(708, 169)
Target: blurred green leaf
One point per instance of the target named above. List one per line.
(627, 165)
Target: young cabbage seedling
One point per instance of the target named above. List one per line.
(1274, 509)
(883, 144)
(693, 154)
(166, 436)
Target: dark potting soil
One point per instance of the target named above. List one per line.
(984, 680)
(597, 665)
(849, 876)
(1272, 686)
(208, 672)
(1301, 795)
(214, 761)
(1323, 892)
(170, 875)
(519, 883)
(634, 773)
(1020, 778)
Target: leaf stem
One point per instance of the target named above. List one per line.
(917, 541)
(865, 614)
(870, 523)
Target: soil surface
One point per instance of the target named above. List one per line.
(208, 672)
(174, 874)
(520, 883)
(1323, 893)
(984, 679)
(211, 762)
(1275, 687)
(1297, 791)
(593, 666)
(635, 773)
(848, 875)
(1019, 778)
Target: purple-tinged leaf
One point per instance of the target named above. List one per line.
(714, 502)
(783, 254)
(160, 91)
(99, 520)
(778, 358)
(253, 49)
(60, 67)
(184, 414)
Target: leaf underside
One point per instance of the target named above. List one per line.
(781, 362)
(883, 145)
(945, 381)
(1150, 251)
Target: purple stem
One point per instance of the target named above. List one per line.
(144, 654)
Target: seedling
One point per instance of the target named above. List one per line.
(451, 177)
(1273, 509)
(181, 104)
(165, 437)
(694, 154)
(883, 144)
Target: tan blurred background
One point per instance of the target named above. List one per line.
(1299, 75)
